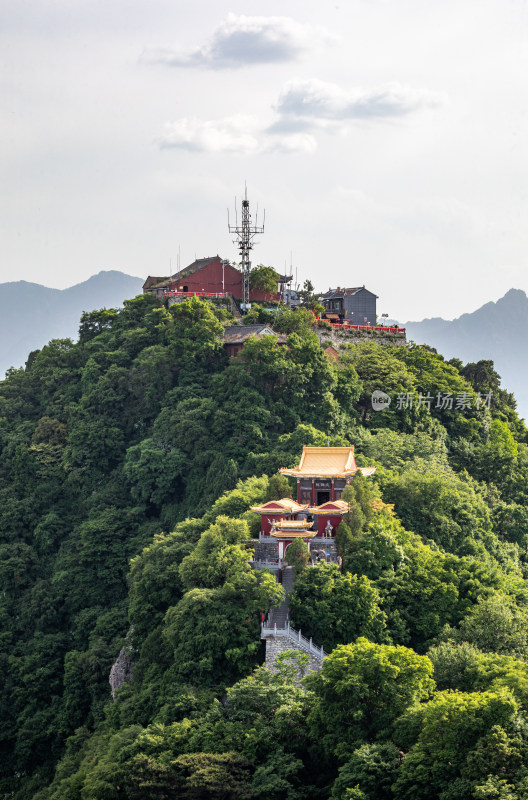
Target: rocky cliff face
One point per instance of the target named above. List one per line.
(121, 670)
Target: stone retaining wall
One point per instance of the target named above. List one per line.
(268, 551)
(280, 644)
(338, 337)
(265, 551)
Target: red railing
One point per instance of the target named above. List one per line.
(197, 294)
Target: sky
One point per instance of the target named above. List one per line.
(386, 141)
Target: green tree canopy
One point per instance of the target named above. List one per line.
(335, 608)
(445, 736)
(264, 278)
(362, 689)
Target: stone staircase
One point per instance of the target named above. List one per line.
(235, 310)
(280, 615)
(280, 637)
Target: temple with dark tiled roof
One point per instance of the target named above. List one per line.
(235, 336)
(355, 306)
(212, 275)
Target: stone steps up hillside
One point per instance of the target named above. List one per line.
(279, 616)
(281, 638)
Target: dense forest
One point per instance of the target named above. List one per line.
(128, 462)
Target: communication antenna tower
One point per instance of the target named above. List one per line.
(245, 233)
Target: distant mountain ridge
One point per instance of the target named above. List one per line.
(496, 331)
(31, 314)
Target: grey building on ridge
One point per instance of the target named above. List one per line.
(355, 306)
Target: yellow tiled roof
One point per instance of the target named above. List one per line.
(367, 471)
(292, 534)
(328, 508)
(292, 524)
(324, 461)
(284, 506)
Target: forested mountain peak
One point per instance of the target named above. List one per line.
(129, 461)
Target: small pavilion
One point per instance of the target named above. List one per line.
(285, 531)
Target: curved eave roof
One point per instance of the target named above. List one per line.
(293, 534)
(367, 471)
(329, 462)
(320, 473)
(295, 472)
(284, 506)
(332, 508)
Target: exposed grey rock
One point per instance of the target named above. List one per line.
(121, 670)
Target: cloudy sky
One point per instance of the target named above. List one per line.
(386, 139)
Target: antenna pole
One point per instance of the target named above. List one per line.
(244, 235)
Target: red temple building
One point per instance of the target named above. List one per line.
(322, 474)
(328, 516)
(285, 531)
(212, 275)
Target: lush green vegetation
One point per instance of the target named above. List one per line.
(264, 278)
(128, 462)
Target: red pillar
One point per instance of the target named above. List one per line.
(313, 493)
(332, 490)
(298, 490)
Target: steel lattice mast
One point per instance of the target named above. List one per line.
(245, 233)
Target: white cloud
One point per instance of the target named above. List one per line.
(303, 107)
(313, 100)
(241, 40)
(291, 144)
(229, 135)
(237, 135)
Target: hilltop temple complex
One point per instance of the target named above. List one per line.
(321, 475)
